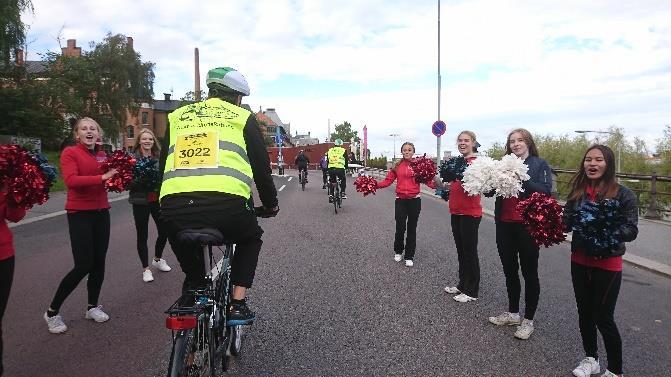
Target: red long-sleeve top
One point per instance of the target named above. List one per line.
(460, 202)
(82, 175)
(8, 211)
(406, 187)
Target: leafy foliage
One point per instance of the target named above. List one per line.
(12, 29)
(344, 132)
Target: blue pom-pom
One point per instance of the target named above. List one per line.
(598, 226)
(146, 174)
(453, 169)
(48, 171)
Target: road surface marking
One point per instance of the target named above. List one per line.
(54, 214)
(282, 188)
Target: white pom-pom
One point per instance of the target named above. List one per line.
(509, 176)
(479, 176)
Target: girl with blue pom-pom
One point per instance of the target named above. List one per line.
(144, 198)
(596, 261)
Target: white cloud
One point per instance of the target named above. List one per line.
(504, 64)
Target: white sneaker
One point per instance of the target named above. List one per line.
(587, 367)
(161, 264)
(55, 323)
(97, 314)
(524, 330)
(506, 318)
(409, 263)
(464, 298)
(452, 290)
(147, 276)
(609, 374)
(398, 257)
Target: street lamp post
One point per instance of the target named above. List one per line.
(394, 136)
(618, 147)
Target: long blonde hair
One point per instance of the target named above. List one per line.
(79, 121)
(155, 149)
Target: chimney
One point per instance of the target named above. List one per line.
(71, 49)
(129, 41)
(166, 96)
(197, 73)
(19, 57)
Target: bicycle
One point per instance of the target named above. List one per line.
(201, 335)
(302, 177)
(334, 194)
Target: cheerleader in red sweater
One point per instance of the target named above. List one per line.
(408, 204)
(10, 211)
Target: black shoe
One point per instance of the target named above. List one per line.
(330, 198)
(344, 196)
(239, 314)
(323, 187)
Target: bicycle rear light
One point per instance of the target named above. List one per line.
(181, 322)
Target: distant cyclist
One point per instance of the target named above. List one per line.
(213, 151)
(337, 164)
(302, 162)
(324, 165)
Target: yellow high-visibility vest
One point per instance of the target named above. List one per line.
(207, 150)
(336, 156)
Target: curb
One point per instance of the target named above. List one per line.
(631, 259)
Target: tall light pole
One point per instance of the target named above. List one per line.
(618, 147)
(394, 136)
(439, 80)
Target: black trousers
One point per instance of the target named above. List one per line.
(406, 212)
(6, 277)
(89, 238)
(325, 174)
(596, 293)
(340, 173)
(303, 168)
(517, 249)
(465, 232)
(237, 223)
(141, 215)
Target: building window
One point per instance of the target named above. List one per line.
(145, 117)
(130, 131)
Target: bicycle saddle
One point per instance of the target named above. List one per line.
(201, 236)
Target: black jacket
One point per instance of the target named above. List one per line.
(302, 160)
(628, 229)
(540, 180)
(194, 202)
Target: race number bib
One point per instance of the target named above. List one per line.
(197, 150)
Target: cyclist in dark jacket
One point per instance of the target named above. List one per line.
(302, 162)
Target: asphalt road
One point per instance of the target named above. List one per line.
(330, 301)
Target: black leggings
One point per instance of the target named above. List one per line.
(465, 232)
(340, 173)
(141, 216)
(325, 174)
(406, 211)
(89, 237)
(513, 242)
(6, 277)
(596, 292)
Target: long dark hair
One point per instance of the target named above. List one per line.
(528, 140)
(401, 160)
(607, 184)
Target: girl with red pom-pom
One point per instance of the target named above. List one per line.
(408, 204)
(596, 280)
(145, 203)
(88, 222)
(465, 216)
(12, 212)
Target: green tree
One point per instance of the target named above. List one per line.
(345, 133)
(190, 97)
(664, 151)
(103, 83)
(12, 29)
(496, 151)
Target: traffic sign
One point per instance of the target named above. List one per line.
(438, 128)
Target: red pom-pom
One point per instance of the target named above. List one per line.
(423, 169)
(542, 216)
(365, 184)
(26, 184)
(123, 163)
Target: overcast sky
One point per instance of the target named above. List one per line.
(549, 66)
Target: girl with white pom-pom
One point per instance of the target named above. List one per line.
(408, 204)
(515, 245)
(465, 216)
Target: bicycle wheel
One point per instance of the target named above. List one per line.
(191, 354)
(236, 340)
(336, 196)
(303, 180)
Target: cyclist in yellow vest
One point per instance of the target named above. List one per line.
(336, 158)
(212, 153)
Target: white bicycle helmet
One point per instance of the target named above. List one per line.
(227, 79)
(338, 142)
